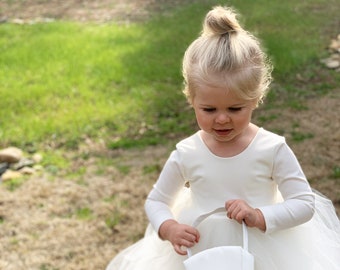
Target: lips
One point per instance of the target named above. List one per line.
(223, 132)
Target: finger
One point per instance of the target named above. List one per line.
(239, 213)
(193, 235)
(180, 250)
(228, 204)
(239, 217)
(245, 215)
(232, 210)
(189, 241)
(233, 204)
(198, 236)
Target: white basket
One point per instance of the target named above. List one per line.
(221, 258)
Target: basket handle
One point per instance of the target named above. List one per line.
(202, 217)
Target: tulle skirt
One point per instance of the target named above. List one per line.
(314, 245)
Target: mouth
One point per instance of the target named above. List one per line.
(222, 132)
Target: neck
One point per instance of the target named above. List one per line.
(233, 147)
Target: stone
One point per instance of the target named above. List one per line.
(335, 45)
(24, 162)
(11, 155)
(3, 167)
(13, 164)
(9, 175)
(37, 158)
(332, 64)
(38, 168)
(27, 170)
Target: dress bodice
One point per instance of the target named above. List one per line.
(214, 180)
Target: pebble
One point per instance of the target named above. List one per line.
(27, 170)
(37, 158)
(3, 167)
(11, 155)
(24, 162)
(9, 175)
(14, 165)
(333, 62)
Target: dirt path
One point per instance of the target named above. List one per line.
(83, 10)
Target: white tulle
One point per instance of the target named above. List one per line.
(314, 245)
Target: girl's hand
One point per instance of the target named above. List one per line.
(241, 211)
(179, 235)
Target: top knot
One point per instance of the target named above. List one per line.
(220, 21)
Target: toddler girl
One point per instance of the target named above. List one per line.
(231, 162)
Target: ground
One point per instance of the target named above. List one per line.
(84, 10)
(66, 222)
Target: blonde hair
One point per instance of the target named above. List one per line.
(225, 55)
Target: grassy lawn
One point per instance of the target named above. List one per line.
(64, 81)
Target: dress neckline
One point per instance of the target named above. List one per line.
(260, 129)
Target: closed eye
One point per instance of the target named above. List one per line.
(209, 109)
(235, 109)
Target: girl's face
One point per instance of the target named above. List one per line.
(221, 114)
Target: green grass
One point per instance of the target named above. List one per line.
(15, 183)
(63, 81)
(336, 173)
(84, 213)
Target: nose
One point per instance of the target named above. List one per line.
(222, 118)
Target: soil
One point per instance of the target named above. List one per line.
(80, 221)
(122, 11)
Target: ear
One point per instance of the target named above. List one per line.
(255, 104)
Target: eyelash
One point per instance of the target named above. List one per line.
(210, 110)
(235, 109)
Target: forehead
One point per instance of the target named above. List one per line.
(215, 96)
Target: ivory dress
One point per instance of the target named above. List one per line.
(303, 231)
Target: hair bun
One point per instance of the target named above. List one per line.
(220, 21)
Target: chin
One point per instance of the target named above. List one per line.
(223, 139)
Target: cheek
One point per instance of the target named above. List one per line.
(243, 119)
(202, 119)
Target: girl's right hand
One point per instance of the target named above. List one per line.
(179, 235)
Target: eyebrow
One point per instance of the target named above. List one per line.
(233, 105)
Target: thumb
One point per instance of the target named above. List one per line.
(180, 250)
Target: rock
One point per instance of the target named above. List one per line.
(335, 44)
(14, 165)
(3, 167)
(11, 155)
(27, 170)
(332, 63)
(24, 162)
(37, 158)
(38, 168)
(9, 175)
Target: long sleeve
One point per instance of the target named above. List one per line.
(162, 196)
(267, 164)
(298, 204)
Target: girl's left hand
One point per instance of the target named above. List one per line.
(240, 211)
